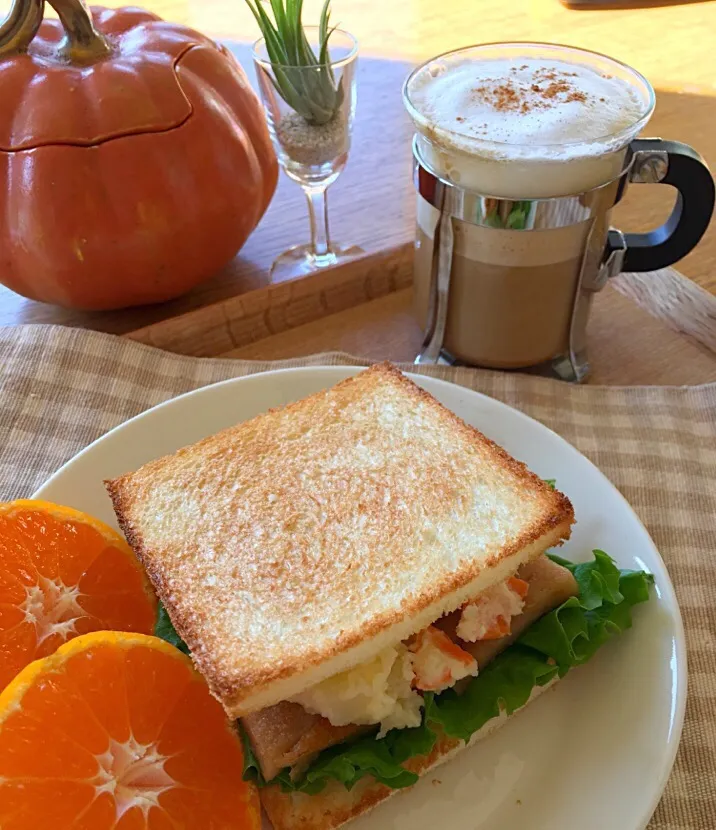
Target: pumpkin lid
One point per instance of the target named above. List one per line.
(81, 82)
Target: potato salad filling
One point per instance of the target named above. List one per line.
(438, 663)
(386, 690)
(377, 691)
(489, 616)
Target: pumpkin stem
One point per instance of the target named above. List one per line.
(82, 43)
(20, 26)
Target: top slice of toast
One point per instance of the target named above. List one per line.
(297, 544)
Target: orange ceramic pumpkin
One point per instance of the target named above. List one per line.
(134, 156)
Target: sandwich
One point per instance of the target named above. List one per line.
(362, 579)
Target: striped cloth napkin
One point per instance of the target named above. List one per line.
(62, 388)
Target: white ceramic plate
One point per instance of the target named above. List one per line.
(595, 753)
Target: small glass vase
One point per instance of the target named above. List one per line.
(312, 138)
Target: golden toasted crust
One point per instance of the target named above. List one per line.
(295, 545)
(335, 805)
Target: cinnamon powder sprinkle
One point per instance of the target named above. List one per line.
(550, 87)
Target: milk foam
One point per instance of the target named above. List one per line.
(524, 127)
(528, 102)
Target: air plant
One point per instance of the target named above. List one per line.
(303, 79)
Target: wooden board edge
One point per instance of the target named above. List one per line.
(274, 308)
(674, 299)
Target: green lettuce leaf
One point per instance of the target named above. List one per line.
(598, 580)
(506, 684)
(368, 756)
(252, 768)
(565, 637)
(164, 629)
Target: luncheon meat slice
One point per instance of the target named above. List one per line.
(286, 735)
(549, 586)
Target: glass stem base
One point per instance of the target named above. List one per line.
(302, 259)
(318, 218)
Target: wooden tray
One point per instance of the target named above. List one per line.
(656, 328)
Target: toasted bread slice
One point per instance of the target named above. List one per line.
(336, 805)
(298, 544)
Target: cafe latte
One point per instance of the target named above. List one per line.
(508, 124)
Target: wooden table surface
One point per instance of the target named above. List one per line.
(372, 204)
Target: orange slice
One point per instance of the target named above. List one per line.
(63, 573)
(117, 730)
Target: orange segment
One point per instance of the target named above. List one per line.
(62, 574)
(57, 701)
(33, 749)
(99, 813)
(99, 676)
(152, 692)
(10, 617)
(114, 588)
(41, 804)
(159, 821)
(18, 644)
(130, 739)
(12, 586)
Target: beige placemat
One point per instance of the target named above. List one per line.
(62, 388)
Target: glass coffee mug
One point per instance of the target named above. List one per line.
(514, 240)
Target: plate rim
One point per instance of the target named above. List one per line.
(344, 371)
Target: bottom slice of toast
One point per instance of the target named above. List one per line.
(336, 805)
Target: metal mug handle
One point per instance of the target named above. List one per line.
(655, 160)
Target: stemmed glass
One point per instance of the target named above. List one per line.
(310, 113)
